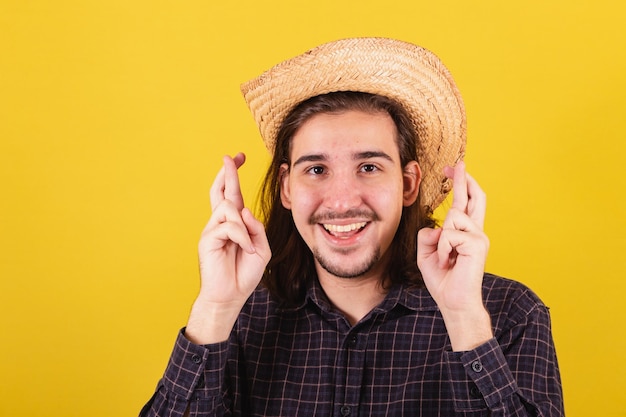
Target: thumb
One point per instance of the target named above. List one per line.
(427, 243)
(256, 230)
(428, 239)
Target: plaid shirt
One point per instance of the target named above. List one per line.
(397, 361)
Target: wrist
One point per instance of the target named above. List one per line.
(210, 323)
(468, 329)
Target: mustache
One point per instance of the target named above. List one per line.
(367, 215)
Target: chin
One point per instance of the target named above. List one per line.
(341, 270)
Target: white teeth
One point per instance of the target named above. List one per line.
(338, 228)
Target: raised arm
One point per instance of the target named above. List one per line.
(516, 374)
(452, 261)
(233, 252)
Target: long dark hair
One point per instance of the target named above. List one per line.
(292, 267)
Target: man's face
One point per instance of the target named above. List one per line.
(346, 189)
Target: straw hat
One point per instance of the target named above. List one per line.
(409, 74)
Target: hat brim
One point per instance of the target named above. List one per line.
(409, 74)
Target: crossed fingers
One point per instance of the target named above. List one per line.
(468, 197)
(226, 185)
(462, 229)
(229, 215)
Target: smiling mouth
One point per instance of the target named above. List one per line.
(342, 229)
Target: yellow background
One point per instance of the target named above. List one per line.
(114, 116)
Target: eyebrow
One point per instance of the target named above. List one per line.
(372, 154)
(311, 158)
(357, 156)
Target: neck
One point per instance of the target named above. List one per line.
(353, 297)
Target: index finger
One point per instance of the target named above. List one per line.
(459, 186)
(226, 183)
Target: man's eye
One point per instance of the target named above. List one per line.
(369, 168)
(316, 170)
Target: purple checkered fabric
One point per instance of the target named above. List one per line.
(397, 361)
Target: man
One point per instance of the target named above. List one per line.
(364, 307)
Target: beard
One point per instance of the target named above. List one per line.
(348, 271)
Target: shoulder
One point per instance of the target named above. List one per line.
(263, 321)
(497, 289)
(260, 303)
(510, 302)
(261, 311)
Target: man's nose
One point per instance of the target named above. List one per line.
(342, 193)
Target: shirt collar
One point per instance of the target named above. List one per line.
(413, 297)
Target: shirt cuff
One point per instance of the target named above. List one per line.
(480, 377)
(195, 369)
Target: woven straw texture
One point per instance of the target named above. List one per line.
(407, 73)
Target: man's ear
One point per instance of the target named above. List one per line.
(285, 195)
(411, 178)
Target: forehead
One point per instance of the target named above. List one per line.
(346, 131)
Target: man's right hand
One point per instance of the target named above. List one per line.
(233, 253)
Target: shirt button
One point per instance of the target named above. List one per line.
(477, 366)
(196, 358)
(352, 341)
(345, 410)
(475, 392)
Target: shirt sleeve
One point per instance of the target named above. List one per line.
(193, 381)
(514, 374)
